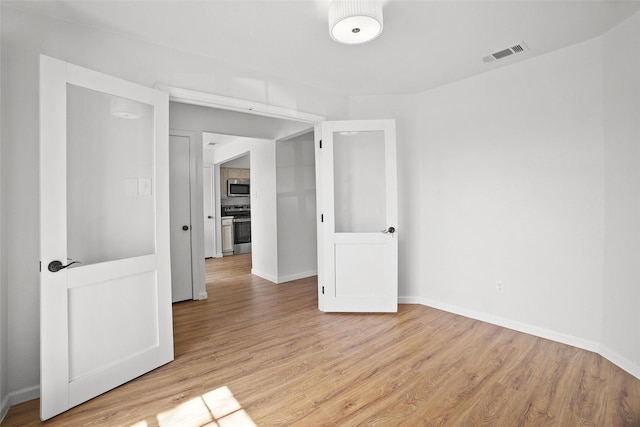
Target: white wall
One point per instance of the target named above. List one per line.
(241, 162)
(512, 191)
(528, 175)
(24, 38)
(296, 203)
(621, 325)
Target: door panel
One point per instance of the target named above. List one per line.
(181, 266)
(85, 319)
(104, 202)
(358, 206)
(351, 282)
(209, 217)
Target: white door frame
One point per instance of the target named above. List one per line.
(204, 99)
(197, 222)
(187, 96)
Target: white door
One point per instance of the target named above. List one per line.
(104, 202)
(209, 216)
(180, 190)
(357, 206)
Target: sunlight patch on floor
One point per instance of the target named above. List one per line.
(216, 408)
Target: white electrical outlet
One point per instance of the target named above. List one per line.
(500, 287)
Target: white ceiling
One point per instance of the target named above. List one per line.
(424, 44)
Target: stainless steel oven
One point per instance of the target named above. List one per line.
(241, 230)
(241, 227)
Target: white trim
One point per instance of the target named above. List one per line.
(296, 276)
(265, 276)
(4, 408)
(516, 326)
(571, 340)
(17, 397)
(620, 361)
(410, 300)
(187, 96)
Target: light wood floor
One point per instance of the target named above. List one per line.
(261, 354)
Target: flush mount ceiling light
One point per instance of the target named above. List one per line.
(355, 21)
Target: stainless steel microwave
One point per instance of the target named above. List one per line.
(238, 188)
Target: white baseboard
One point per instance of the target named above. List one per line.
(203, 295)
(218, 255)
(571, 340)
(410, 300)
(620, 361)
(27, 393)
(13, 398)
(291, 277)
(4, 408)
(516, 326)
(266, 276)
(283, 279)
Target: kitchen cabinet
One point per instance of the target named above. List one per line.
(234, 173)
(231, 173)
(227, 235)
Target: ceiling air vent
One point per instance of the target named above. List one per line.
(520, 47)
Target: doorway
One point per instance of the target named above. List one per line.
(235, 204)
(239, 133)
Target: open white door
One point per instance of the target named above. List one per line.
(104, 201)
(357, 206)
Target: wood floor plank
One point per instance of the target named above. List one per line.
(256, 353)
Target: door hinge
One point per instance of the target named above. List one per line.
(320, 143)
(323, 290)
(40, 266)
(321, 217)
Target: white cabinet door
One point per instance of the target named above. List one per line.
(227, 236)
(357, 206)
(104, 201)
